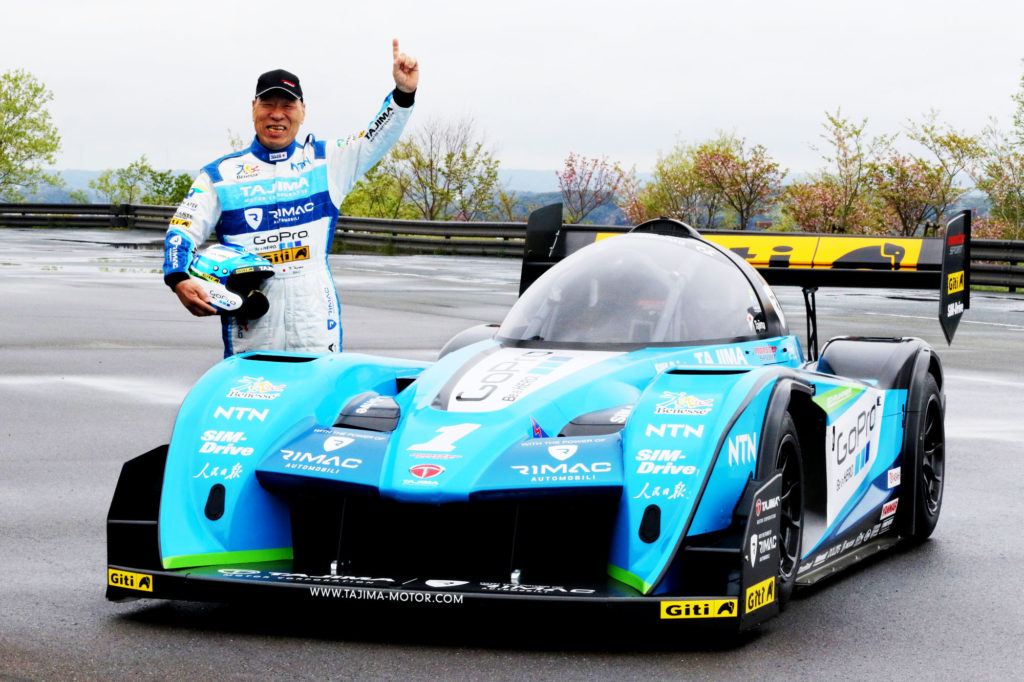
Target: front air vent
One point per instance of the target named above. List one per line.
(259, 357)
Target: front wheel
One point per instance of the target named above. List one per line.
(791, 508)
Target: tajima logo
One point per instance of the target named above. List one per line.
(426, 470)
(256, 388)
(682, 403)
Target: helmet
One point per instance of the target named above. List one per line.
(232, 276)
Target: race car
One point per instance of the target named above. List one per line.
(641, 435)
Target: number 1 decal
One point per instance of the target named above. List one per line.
(445, 440)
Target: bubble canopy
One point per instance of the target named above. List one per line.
(644, 289)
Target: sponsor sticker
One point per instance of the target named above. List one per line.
(129, 580)
(699, 608)
(955, 282)
(894, 477)
(683, 403)
(761, 594)
(256, 388)
(889, 508)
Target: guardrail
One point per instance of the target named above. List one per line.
(994, 262)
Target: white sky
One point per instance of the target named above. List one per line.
(541, 78)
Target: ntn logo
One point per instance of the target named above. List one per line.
(241, 413)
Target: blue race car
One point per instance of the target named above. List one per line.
(642, 433)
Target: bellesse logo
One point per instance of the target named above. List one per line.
(336, 443)
(681, 403)
(426, 470)
(253, 217)
(256, 388)
(562, 452)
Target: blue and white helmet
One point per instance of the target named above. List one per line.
(232, 277)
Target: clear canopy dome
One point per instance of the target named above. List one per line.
(637, 289)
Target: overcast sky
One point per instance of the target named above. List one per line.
(540, 78)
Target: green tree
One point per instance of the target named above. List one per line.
(28, 139)
(955, 152)
(140, 183)
(380, 193)
(164, 188)
(675, 190)
(124, 185)
(445, 172)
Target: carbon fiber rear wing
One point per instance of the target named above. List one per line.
(805, 260)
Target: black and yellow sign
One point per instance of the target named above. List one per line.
(129, 580)
(761, 594)
(699, 608)
(287, 255)
(955, 282)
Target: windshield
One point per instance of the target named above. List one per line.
(638, 289)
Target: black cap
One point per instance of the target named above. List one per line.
(279, 79)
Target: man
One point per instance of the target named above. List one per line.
(279, 199)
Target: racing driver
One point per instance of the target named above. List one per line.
(279, 199)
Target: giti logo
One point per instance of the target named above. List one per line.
(129, 580)
(761, 594)
(955, 282)
(699, 608)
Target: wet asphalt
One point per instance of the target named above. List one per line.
(96, 354)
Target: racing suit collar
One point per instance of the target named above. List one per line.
(270, 155)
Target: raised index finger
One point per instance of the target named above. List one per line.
(394, 48)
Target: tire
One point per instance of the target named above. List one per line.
(925, 468)
(791, 508)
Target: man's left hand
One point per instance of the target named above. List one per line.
(406, 69)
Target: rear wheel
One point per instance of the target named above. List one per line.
(791, 508)
(925, 466)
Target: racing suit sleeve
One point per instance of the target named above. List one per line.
(349, 158)
(192, 224)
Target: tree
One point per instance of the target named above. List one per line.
(123, 185)
(164, 188)
(955, 154)
(1000, 174)
(380, 193)
(587, 183)
(838, 198)
(675, 190)
(140, 183)
(908, 188)
(748, 180)
(28, 139)
(445, 172)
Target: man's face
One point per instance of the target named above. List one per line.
(277, 118)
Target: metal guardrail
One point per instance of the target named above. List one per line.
(994, 262)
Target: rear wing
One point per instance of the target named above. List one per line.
(805, 260)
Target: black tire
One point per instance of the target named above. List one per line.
(791, 508)
(925, 467)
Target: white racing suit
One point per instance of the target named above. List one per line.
(283, 206)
